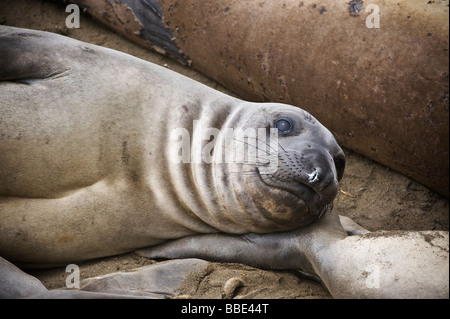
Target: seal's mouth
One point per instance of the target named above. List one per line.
(322, 213)
(302, 190)
(318, 203)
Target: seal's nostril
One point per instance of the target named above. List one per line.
(339, 163)
(313, 177)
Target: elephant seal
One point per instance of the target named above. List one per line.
(90, 165)
(93, 163)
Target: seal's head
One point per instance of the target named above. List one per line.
(289, 173)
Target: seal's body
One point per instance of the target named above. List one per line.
(86, 155)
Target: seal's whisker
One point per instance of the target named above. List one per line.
(254, 146)
(250, 172)
(257, 146)
(256, 163)
(250, 164)
(279, 145)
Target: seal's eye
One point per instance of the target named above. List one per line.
(283, 125)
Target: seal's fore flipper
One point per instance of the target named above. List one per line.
(279, 250)
(267, 251)
(27, 55)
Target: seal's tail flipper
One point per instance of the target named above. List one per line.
(27, 55)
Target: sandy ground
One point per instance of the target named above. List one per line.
(374, 196)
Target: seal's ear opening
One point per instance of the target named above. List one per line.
(339, 163)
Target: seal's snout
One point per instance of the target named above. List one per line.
(319, 179)
(311, 174)
(309, 168)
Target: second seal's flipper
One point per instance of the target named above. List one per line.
(161, 280)
(14, 283)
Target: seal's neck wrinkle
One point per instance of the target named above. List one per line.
(193, 185)
(232, 210)
(209, 176)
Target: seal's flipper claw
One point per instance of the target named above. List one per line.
(308, 276)
(351, 227)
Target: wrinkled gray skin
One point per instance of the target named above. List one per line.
(86, 171)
